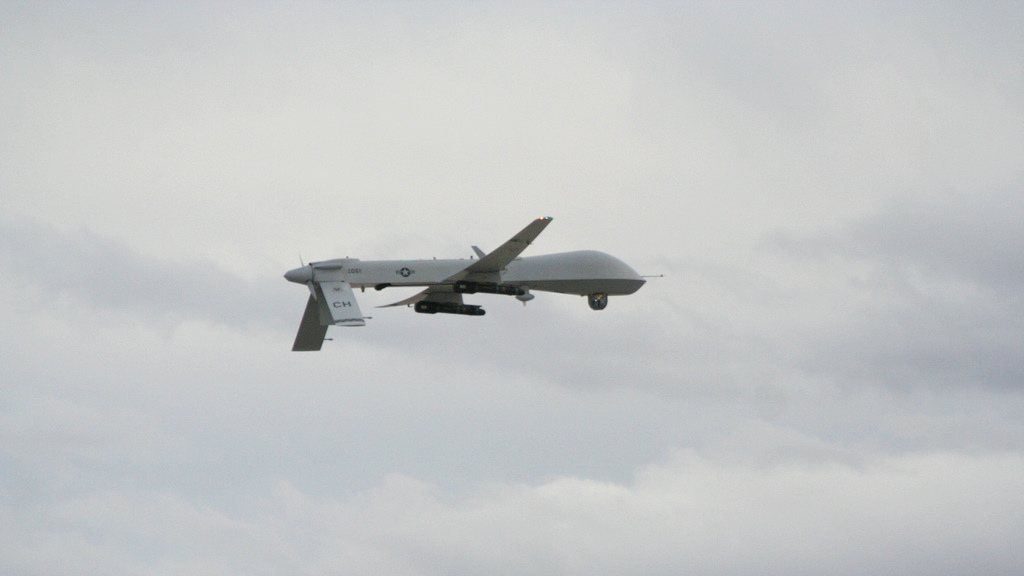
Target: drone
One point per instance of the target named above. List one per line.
(332, 301)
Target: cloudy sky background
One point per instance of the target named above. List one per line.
(828, 379)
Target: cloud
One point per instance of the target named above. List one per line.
(99, 272)
(926, 292)
(973, 239)
(930, 513)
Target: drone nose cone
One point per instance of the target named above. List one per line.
(299, 275)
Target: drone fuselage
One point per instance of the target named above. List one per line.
(582, 272)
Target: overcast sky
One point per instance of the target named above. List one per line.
(829, 379)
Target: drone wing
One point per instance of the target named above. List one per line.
(507, 252)
(488, 264)
(435, 293)
(411, 300)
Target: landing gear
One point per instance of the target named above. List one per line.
(597, 301)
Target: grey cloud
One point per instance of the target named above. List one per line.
(926, 293)
(975, 238)
(101, 272)
(922, 514)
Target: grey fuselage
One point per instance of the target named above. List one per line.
(582, 272)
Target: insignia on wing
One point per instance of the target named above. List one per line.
(405, 272)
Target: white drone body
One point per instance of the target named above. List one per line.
(332, 302)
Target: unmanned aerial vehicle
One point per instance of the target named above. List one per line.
(589, 273)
